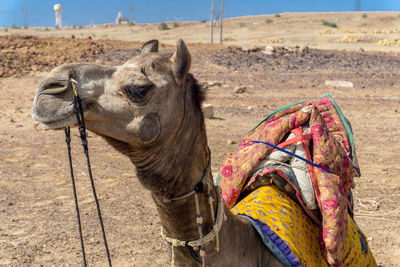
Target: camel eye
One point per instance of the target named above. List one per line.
(137, 93)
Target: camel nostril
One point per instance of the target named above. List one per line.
(53, 86)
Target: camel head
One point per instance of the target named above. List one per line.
(138, 103)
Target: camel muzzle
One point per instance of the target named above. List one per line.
(55, 90)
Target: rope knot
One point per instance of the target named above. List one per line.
(199, 187)
(174, 243)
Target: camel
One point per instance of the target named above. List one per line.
(149, 109)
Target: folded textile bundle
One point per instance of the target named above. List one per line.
(310, 145)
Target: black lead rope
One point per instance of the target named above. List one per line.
(68, 140)
(192, 252)
(82, 132)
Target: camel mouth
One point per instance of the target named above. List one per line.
(56, 123)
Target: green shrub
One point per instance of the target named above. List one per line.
(80, 26)
(163, 26)
(364, 15)
(104, 36)
(278, 15)
(175, 25)
(93, 34)
(15, 27)
(268, 21)
(46, 29)
(204, 21)
(329, 24)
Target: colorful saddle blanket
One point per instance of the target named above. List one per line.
(292, 236)
(327, 150)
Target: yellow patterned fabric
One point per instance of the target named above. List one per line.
(285, 218)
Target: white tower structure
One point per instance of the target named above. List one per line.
(119, 18)
(58, 9)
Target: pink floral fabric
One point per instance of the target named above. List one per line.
(331, 150)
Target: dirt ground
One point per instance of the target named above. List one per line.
(37, 217)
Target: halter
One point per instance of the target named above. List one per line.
(200, 243)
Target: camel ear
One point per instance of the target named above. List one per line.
(149, 47)
(180, 61)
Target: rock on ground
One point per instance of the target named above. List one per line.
(339, 84)
(269, 50)
(239, 89)
(208, 110)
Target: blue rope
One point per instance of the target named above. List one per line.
(288, 152)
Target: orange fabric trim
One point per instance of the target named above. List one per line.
(304, 139)
(297, 138)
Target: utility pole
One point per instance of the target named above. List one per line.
(358, 5)
(220, 24)
(212, 21)
(130, 19)
(25, 18)
(131, 11)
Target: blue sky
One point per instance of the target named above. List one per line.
(86, 12)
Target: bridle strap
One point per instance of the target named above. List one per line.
(218, 219)
(82, 132)
(200, 243)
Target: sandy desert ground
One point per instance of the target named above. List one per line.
(37, 219)
(369, 30)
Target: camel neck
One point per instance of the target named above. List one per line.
(173, 168)
(178, 218)
(176, 169)
(185, 160)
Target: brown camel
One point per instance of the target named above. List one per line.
(150, 109)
